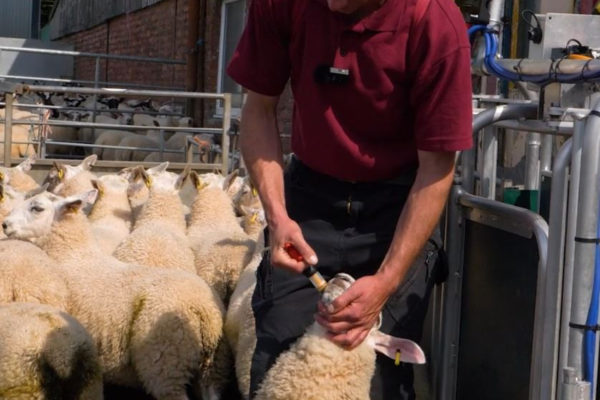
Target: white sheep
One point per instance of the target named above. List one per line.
(221, 248)
(18, 177)
(45, 353)
(109, 137)
(137, 140)
(159, 225)
(239, 320)
(316, 368)
(110, 216)
(154, 328)
(29, 275)
(61, 173)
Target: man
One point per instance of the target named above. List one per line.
(382, 103)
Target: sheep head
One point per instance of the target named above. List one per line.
(34, 217)
(59, 173)
(159, 179)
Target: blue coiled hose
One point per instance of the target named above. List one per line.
(491, 49)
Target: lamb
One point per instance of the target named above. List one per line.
(154, 328)
(22, 141)
(239, 321)
(18, 177)
(109, 138)
(221, 248)
(160, 224)
(316, 368)
(64, 179)
(29, 275)
(45, 353)
(111, 213)
(145, 141)
(178, 142)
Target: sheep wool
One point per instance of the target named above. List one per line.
(221, 248)
(111, 213)
(46, 354)
(29, 275)
(158, 329)
(18, 177)
(160, 225)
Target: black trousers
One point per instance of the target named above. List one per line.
(350, 227)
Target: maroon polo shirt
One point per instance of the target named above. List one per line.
(409, 86)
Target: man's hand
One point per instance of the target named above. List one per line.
(352, 315)
(287, 231)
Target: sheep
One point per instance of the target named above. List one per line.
(221, 248)
(146, 141)
(110, 138)
(90, 135)
(110, 216)
(178, 142)
(154, 328)
(239, 320)
(45, 353)
(29, 275)
(316, 368)
(22, 141)
(60, 178)
(161, 223)
(18, 177)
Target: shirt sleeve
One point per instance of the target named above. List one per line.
(441, 93)
(261, 61)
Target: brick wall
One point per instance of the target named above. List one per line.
(157, 31)
(161, 31)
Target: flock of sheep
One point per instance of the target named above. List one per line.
(126, 142)
(112, 279)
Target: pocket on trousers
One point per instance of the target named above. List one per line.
(264, 281)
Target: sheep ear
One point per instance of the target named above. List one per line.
(98, 185)
(35, 192)
(1, 192)
(2, 176)
(398, 349)
(74, 203)
(60, 170)
(230, 178)
(88, 162)
(182, 177)
(198, 184)
(140, 173)
(127, 173)
(26, 165)
(162, 167)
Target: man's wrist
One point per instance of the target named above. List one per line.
(389, 278)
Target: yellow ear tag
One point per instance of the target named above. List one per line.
(61, 174)
(148, 182)
(1, 177)
(254, 191)
(253, 218)
(397, 360)
(201, 185)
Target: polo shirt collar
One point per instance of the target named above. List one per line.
(384, 19)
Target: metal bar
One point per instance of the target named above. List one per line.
(558, 128)
(78, 124)
(97, 55)
(8, 111)
(544, 384)
(110, 110)
(587, 219)
(124, 92)
(446, 369)
(226, 126)
(88, 82)
(532, 161)
(489, 162)
(573, 196)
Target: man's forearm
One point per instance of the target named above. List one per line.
(419, 216)
(261, 149)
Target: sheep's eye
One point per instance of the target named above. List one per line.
(37, 209)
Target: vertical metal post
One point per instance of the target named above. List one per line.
(489, 161)
(532, 161)
(8, 116)
(447, 368)
(95, 97)
(587, 219)
(226, 126)
(544, 368)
